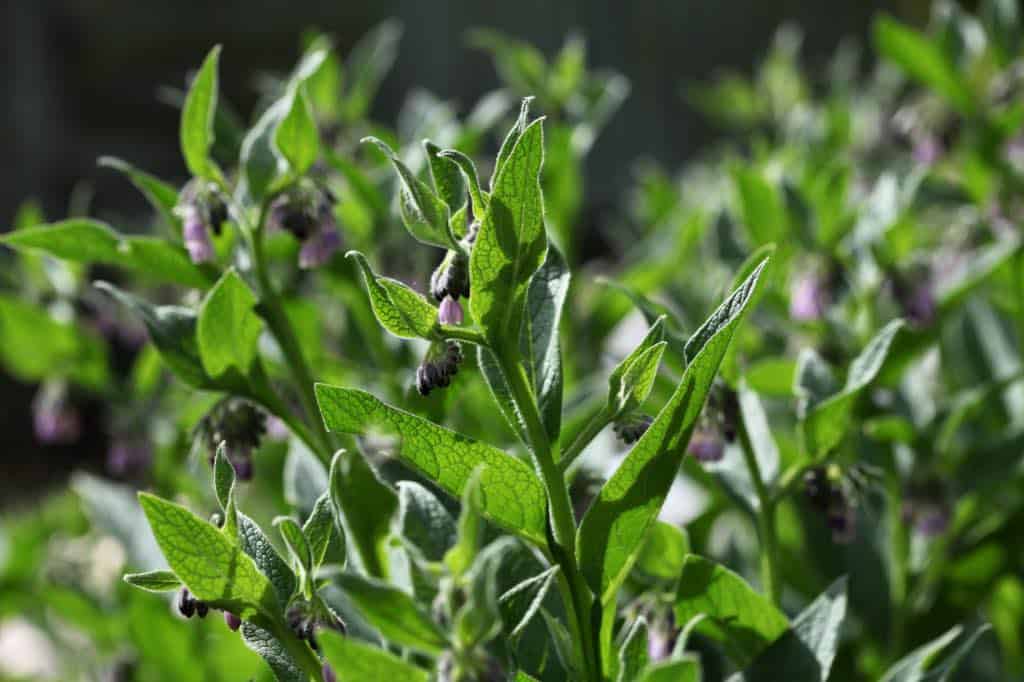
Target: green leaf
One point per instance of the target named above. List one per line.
(466, 166)
(446, 176)
(172, 329)
(470, 533)
(363, 508)
(424, 214)
(213, 567)
(923, 60)
(161, 196)
(255, 543)
(536, 590)
(740, 619)
(614, 527)
(511, 243)
(632, 380)
(319, 528)
(633, 652)
(424, 521)
(296, 136)
(228, 329)
(917, 665)
(223, 477)
(478, 620)
(261, 162)
(807, 651)
(82, 240)
(355, 661)
(154, 581)
(399, 309)
(497, 384)
(762, 208)
(662, 553)
(513, 495)
(755, 421)
(197, 119)
(394, 613)
(539, 344)
(305, 477)
(513, 135)
(298, 548)
(685, 670)
(274, 653)
(827, 422)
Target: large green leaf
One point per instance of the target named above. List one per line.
(511, 243)
(214, 568)
(542, 355)
(154, 581)
(296, 136)
(737, 617)
(364, 508)
(513, 495)
(228, 329)
(394, 613)
(615, 525)
(197, 118)
(827, 422)
(355, 661)
(399, 309)
(918, 665)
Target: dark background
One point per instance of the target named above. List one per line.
(79, 80)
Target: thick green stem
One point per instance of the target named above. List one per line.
(575, 593)
(765, 520)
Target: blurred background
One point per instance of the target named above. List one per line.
(84, 79)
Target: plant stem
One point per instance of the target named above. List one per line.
(574, 590)
(765, 520)
(898, 553)
(593, 427)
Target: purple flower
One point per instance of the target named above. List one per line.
(662, 638)
(196, 234)
(450, 312)
(808, 298)
(127, 457)
(307, 212)
(706, 446)
(927, 149)
(328, 673)
(319, 247)
(55, 421)
(232, 621)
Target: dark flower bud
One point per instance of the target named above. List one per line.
(451, 277)
(240, 425)
(817, 487)
(915, 293)
(630, 428)
(186, 604)
(232, 621)
(54, 419)
(450, 312)
(440, 364)
(307, 212)
(706, 445)
(202, 609)
(202, 210)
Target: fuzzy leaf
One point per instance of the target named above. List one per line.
(424, 521)
(446, 177)
(319, 528)
(363, 507)
(228, 329)
(274, 653)
(399, 309)
(394, 613)
(296, 136)
(197, 119)
(255, 543)
(614, 527)
(917, 666)
(632, 380)
(513, 495)
(154, 581)
(297, 546)
(633, 652)
(355, 661)
(539, 344)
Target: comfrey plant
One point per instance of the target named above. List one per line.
(469, 470)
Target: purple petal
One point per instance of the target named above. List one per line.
(450, 312)
(319, 247)
(197, 239)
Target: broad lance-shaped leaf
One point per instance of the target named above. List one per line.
(298, 548)
(739, 618)
(399, 309)
(319, 529)
(197, 119)
(446, 176)
(614, 527)
(807, 650)
(363, 509)
(513, 495)
(394, 613)
(424, 521)
(917, 666)
(228, 329)
(511, 243)
(828, 421)
(632, 380)
(255, 543)
(82, 240)
(296, 136)
(213, 568)
(509, 143)
(355, 661)
(469, 174)
(424, 214)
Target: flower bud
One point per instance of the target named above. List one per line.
(186, 604)
(307, 212)
(451, 277)
(232, 621)
(706, 446)
(202, 210)
(450, 312)
(440, 364)
(196, 235)
(239, 425)
(630, 428)
(914, 291)
(202, 609)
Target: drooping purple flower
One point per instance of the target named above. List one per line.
(440, 364)
(809, 297)
(240, 426)
(319, 247)
(706, 446)
(662, 638)
(328, 673)
(307, 212)
(128, 457)
(450, 312)
(927, 149)
(196, 234)
(450, 278)
(842, 521)
(55, 420)
(232, 621)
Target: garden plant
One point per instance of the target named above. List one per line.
(377, 413)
